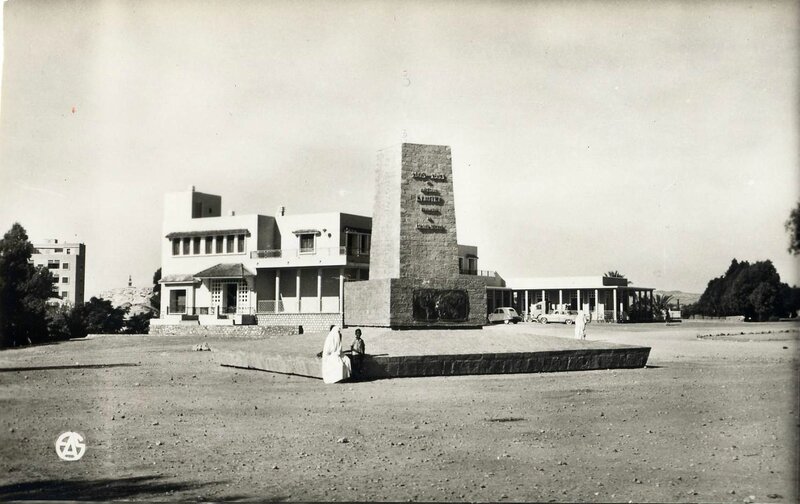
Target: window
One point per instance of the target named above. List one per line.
(176, 246)
(64, 295)
(219, 244)
(186, 246)
(209, 244)
(365, 244)
(59, 250)
(196, 245)
(69, 251)
(64, 280)
(177, 301)
(240, 243)
(65, 266)
(53, 264)
(307, 243)
(229, 244)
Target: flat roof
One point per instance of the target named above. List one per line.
(570, 282)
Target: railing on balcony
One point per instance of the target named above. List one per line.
(209, 310)
(485, 273)
(325, 304)
(303, 252)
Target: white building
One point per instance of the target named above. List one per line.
(67, 264)
(606, 298)
(286, 269)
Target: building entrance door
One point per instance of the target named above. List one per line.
(230, 297)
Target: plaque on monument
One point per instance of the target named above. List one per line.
(414, 276)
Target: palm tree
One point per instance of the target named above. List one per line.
(661, 304)
(614, 274)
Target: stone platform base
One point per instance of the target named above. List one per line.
(438, 353)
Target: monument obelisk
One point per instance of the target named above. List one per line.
(414, 276)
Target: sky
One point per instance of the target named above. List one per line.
(659, 139)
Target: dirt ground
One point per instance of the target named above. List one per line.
(712, 419)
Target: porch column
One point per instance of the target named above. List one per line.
(615, 305)
(580, 307)
(277, 289)
(297, 291)
(544, 303)
(190, 299)
(319, 289)
(527, 304)
(341, 290)
(597, 304)
(560, 298)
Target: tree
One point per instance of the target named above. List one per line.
(753, 290)
(64, 322)
(155, 299)
(138, 323)
(661, 305)
(614, 274)
(100, 317)
(764, 300)
(24, 290)
(792, 226)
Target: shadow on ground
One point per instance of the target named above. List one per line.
(141, 487)
(74, 366)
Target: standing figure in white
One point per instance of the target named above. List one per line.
(580, 325)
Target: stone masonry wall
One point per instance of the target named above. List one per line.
(385, 244)
(367, 303)
(234, 331)
(414, 242)
(403, 296)
(426, 172)
(310, 322)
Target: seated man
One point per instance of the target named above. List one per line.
(357, 354)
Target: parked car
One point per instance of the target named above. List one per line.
(505, 315)
(558, 317)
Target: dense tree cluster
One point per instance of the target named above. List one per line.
(24, 290)
(28, 313)
(792, 226)
(753, 290)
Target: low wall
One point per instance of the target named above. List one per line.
(235, 331)
(449, 365)
(505, 363)
(311, 322)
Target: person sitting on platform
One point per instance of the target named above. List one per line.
(357, 354)
(335, 365)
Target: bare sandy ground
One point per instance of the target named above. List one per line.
(709, 420)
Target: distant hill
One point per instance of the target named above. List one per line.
(135, 298)
(685, 297)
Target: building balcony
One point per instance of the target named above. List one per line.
(322, 256)
(483, 273)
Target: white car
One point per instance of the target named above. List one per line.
(505, 315)
(558, 317)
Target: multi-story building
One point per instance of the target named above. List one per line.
(67, 264)
(225, 269)
(274, 270)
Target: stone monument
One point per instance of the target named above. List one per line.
(414, 275)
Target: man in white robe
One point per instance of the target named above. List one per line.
(580, 325)
(335, 365)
